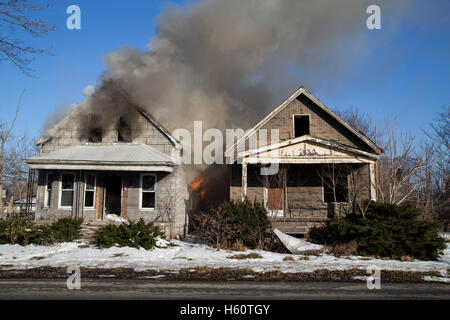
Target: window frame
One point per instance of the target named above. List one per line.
(327, 175)
(47, 203)
(61, 191)
(293, 124)
(86, 190)
(141, 190)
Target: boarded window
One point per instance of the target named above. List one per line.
(335, 189)
(301, 126)
(67, 190)
(89, 194)
(148, 192)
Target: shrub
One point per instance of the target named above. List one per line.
(345, 249)
(16, 230)
(216, 228)
(233, 223)
(131, 234)
(387, 231)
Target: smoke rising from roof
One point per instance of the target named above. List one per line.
(226, 62)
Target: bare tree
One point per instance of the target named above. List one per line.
(15, 17)
(15, 171)
(5, 135)
(397, 167)
(434, 194)
(348, 185)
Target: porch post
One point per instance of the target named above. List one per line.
(244, 181)
(372, 184)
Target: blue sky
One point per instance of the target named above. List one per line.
(412, 87)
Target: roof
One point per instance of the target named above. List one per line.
(120, 156)
(48, 135)
(308, 94)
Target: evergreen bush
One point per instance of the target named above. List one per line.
(385, 230)
(131, 234)
(16, 230)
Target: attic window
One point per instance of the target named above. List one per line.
(301, 126)
(95, 130)
(123, 131)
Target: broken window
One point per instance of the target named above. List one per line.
(89, 194)
(123, 131)
(48, 190)
(335, 189)
(67, 190)
(95, 129)
(148, 191)
(301, 126)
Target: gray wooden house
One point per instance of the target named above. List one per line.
(90, 168)
(325, 165)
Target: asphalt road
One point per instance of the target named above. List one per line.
(12, 289)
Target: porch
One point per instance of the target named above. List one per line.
(304, 182)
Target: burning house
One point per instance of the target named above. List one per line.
(94, 164)
(101, 161)
(324, 165)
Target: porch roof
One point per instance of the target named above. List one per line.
(307, 150)
(114, 157)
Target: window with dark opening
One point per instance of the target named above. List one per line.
(89, 194)
(335, 189)
(48, 190)
(67, 190)
(123, 131)
(95, 129)
(301, 126)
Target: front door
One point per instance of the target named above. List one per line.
(113, 195)
(275, 203)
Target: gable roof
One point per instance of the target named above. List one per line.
(314, 99)
(48, 135)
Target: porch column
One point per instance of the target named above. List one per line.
(372, 183)
(244, 181)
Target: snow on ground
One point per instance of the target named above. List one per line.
(115, 218)
(187, 256)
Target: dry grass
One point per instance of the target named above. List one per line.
(306, 258)
(288, 258)
(406, 259)
(239, 246)
(345, 249)
(246, 256)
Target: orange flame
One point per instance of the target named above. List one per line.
(196, 185)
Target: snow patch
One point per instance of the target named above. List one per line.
(195, 256)
(115, 218)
